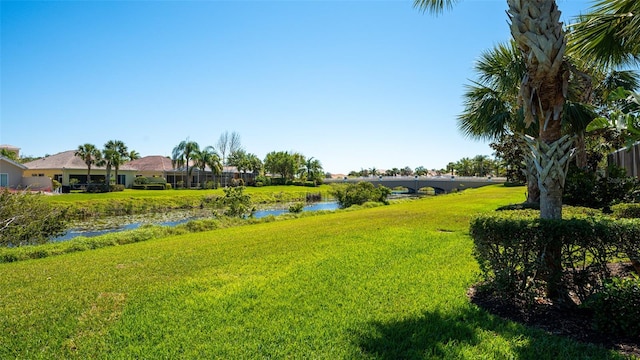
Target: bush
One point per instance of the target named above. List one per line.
(296, 208)
(149, 187)
(629, 211)
(599, 190)
(510, 247)
(617, 307)
(237, 183)
(27, 219)
(211, 185)
(262, 180)
(96, 188)
(118, 187)
(236, 202)
(359, 193)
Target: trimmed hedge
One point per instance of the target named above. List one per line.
(629, 211)
(510, 248)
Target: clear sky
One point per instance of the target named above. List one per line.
(355, 84)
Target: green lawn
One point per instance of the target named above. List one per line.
(146, 194)
(380, 283)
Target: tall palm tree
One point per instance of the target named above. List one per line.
(183, 153)
(115, 153)
(536, 29)
(90, 155)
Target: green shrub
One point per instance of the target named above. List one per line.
(26, 219)
(510, 247)
(141, 180)
(263, 180)
(629, 211)
(237, 204)
(600, 190)
(149, 186)
(359, 193)
(118, 187)
(237, 183)
(617, 307)
(296, 208)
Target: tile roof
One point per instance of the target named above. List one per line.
(66, 160)
(17, 164)
(152, 163)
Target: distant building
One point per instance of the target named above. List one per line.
(10, 173)
(65, 166)
(11, 148)
(161, 166)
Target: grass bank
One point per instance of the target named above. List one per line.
(380, 283)
(127, 202)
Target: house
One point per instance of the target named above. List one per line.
(64, 167)
(628, 159)
(162, 166)
(10, 173)
(11, 149)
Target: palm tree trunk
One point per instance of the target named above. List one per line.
(536, 28)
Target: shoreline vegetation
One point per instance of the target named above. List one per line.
(377, 283)
(129, 202)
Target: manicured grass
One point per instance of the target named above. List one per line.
(380, 283)
(127, 202)
(129, 193)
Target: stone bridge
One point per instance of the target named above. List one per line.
(441, 184)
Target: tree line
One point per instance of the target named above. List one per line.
(286, 166)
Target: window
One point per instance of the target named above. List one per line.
(4, 180)
(121, 179)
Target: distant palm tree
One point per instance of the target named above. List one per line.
(210, 158)
(133, 155)
(185, 151)
(313, 167)
(114, 154)
(90, 155)
(201, 159)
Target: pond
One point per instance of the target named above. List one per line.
(130, 222)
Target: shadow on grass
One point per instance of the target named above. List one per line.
(445, 336)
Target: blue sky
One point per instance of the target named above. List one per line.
(355, 84)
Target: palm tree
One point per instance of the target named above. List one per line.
(255, 164)
(90, 155)
(133, 155)
(115, 154)
(608, 35)
(314, 169)
(210, 157)
(183, 153)
(536, 29)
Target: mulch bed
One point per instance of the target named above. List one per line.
(572, 322)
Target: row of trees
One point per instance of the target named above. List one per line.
(480, 165)
(112, 156)
(228, 151)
